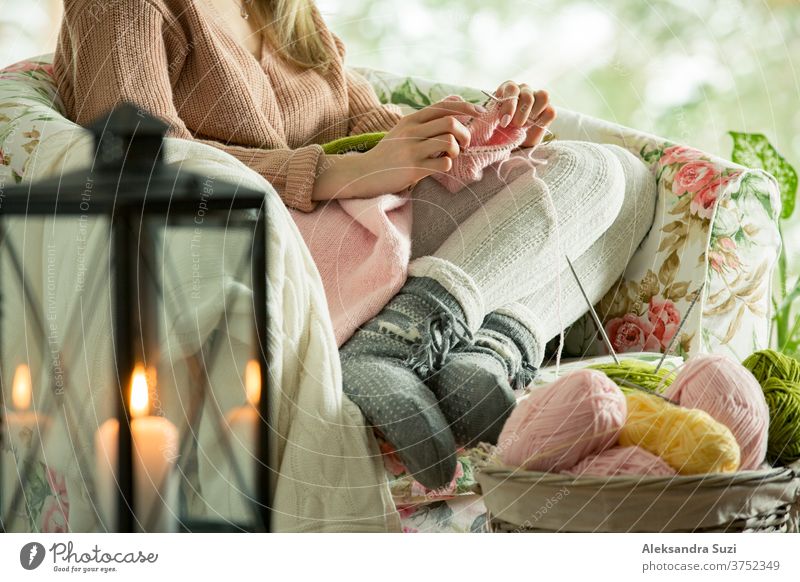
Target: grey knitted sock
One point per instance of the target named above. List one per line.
(475, 386)
(382, 369)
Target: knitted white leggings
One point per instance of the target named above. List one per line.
(494, 244)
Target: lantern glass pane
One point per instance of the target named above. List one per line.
(192, 395)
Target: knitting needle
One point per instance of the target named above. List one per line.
(490, 97)
(680, 326)
(597, 322)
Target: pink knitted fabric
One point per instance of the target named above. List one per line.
(728, 392)
(579, 414)
(622, 461)
(361, 248)
(489, 144)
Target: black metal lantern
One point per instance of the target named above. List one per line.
(145, 419)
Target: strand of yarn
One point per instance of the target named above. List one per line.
(728, 392)
(779, 376)
(689, 440)
(559, 424)
(637, 372)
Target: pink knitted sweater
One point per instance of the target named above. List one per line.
(168, 58)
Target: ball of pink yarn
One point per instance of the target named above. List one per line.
(622, 461)
(559, 424)
(728, 392)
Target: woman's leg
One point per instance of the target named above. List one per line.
(511, 246)
(496, 255)
(600, 266)
(474, 388)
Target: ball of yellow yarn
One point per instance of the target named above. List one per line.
(689, 440)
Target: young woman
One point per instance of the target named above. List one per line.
(264, 80)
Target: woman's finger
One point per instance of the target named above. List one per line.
(443, 164)
(541, 101)
(508, 93)
(524, 106)
(445, 108)
(537, 132)
(441, 144)
(442, 125)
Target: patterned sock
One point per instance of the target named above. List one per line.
(476, 385)
(382, 369)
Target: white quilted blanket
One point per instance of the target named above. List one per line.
(330, 474)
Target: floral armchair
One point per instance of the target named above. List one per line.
(716, 225)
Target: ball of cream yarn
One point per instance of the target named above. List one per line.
(688, 439)
(730, 393)
(559, 424)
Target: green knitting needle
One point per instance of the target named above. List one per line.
(597, 321)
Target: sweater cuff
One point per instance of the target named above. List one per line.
(382, 118)
(301, 174)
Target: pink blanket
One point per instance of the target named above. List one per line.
(362, 249)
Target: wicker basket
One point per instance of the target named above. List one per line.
(748, 501)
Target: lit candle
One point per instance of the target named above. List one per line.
(21, 426)
(227, 491)
(155, 450)
(242, 423)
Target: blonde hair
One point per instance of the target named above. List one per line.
(291, 27)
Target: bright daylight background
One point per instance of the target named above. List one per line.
(689, 70)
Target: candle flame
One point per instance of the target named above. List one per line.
(140, 399)
(252, 382)
(22, 388)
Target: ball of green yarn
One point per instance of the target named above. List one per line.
(637, 372)
(783, 400)
(767, 364)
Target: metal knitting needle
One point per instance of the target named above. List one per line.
(680, 326)
(490, 97)
(597, 321)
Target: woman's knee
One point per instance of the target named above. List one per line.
(639, 203)
(587, 181)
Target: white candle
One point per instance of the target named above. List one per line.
(242, 424)
(23, 427)
(229, 493)
(155, 450)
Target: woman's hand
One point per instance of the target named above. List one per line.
(520, 104)
(422, 143)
